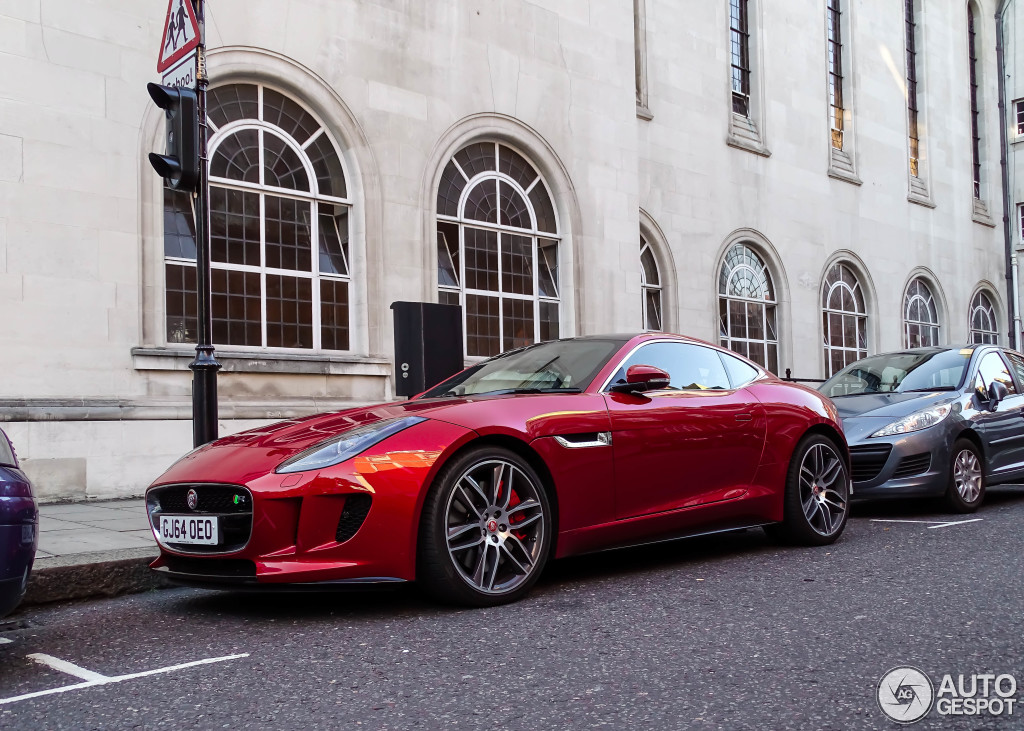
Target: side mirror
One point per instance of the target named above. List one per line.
(640, 378)
(996, 393)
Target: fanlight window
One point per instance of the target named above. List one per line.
(747, 307)
(984, 327)
(650, 280)
(920, 316)
(844, 319)
(497, 249)
(279, 229)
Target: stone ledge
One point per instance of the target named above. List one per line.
(33, 410)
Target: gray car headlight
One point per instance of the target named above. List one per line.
(916, 421)
(346, 446)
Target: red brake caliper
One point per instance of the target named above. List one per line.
(512, 502)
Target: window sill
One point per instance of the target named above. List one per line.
(642, 112)
(844, 175)
(979, 214)
(177, 359)
(744, 135)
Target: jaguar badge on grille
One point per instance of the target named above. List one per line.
(192, 498)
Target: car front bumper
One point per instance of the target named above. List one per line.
(906, 465)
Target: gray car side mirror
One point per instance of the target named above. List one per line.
(996, 392)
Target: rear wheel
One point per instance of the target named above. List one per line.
(817, 496)
(966, 487)
(486, 529)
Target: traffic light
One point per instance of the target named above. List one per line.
(180, 165)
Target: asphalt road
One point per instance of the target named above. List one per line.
(728, 632)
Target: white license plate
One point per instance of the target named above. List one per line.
(189, 530)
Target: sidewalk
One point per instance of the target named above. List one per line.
(92, 549)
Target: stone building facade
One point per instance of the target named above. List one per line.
(793, 180)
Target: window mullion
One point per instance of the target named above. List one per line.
(314, 235)
(263, 263)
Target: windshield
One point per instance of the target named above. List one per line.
(900, 373)
(559, 366)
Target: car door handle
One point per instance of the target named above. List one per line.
(744, 417)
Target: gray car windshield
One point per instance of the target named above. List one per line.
(566, 366)
(900, 373)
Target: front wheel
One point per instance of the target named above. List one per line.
(817, 496)
(486, 529)
(966, 487)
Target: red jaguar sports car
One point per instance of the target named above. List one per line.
(552, 450)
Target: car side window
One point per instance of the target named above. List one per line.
(1018, 364)
(993, 368)
(690, 367)
(740, 373)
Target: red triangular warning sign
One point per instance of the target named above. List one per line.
(181, 34)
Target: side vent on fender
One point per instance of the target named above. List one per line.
(352, 516)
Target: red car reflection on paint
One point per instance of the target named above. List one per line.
(469, 489)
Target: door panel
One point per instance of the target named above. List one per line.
(1003, 429)
(700, 441)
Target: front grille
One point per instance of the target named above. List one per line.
(913, 465)
(233, 567)
(231, 504)
(352, 516)
(868, 460)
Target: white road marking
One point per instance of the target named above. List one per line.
(930, 523)
(66, 667)
(5, 641)
(103, 679)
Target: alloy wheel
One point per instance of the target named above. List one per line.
(967, 475)
(495, 526)
(824, 489)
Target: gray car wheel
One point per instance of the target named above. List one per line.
(966, 489)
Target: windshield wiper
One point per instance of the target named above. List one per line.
(927, 390)
(505, 391)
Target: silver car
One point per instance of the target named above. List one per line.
(933, 422)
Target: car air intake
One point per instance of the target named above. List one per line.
(913, 465)
(868, 460)
(352, 516)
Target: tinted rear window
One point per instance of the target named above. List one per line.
(6, 453)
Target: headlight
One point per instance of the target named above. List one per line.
(346, 446)
(916, 421)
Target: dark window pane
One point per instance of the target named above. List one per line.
(447, 297)
(482, 325)
(514, 212)
(450, 190)
(232, 103)
(516, 167)
(652, 300)
(547, 253)
(481, 259)
(179, 225)
(234, 226)
(289, 116)
(549, 325)
(181, 306)
(333, 235)
(649, 267)
(282, 166)
(516, 264)
(238, 157)
(518, 323)
(334, 328)
(543, 209)
(477, 158)
(289, 312)
(330, 177)
(447, 255)
(236, 308)
(482, 203)
(288, 234)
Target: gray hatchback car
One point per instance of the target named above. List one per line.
(944, 421)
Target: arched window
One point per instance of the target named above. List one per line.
(650, 281)
(920, 316)
(279, 229)
(497, 249)
(844, 319)
(747, 307)
(984, 326)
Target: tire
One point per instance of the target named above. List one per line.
(477, 547)
(817, 499)
(966, 489)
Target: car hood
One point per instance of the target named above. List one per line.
(888, 405)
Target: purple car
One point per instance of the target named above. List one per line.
(19, 528)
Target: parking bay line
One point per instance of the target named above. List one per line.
(930, 523)
(95, 679)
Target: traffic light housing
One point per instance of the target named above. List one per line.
(179, 166)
